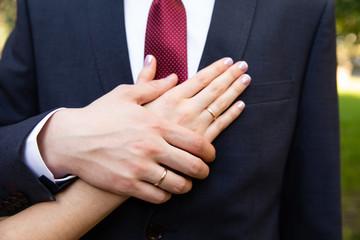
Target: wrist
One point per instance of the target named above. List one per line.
(50, 148)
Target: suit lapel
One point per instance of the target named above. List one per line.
(229, 30)
(228, 34)
(107, 30)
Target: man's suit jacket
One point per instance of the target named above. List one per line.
(276, 175)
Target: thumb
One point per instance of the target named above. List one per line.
(148, 92)
(148, 71)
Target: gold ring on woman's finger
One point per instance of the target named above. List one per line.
(211, 112)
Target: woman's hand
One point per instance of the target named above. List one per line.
(202, 102)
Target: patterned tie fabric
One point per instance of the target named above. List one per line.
(166, 38)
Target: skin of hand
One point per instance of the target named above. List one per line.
(216, 87)
(81, 206)
(125, 145)
(212, 87)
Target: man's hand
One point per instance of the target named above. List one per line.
(122, 141)
(118, 145)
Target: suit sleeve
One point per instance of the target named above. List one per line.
(19, 114)
(311, 192)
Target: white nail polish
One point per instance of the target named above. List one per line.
(243, 66)
(228, 62)
(148, 60)
(245, 79)
(241, 105)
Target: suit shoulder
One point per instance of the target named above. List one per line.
(317, 4)
(52, 8)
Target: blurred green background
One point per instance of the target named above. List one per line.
(348, 39)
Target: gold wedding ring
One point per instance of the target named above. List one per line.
(162, 178)
(212, 113)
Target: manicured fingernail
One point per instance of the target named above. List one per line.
(245, 79)
(148, 60)
(241, 105)
(243, 66)
(228, 62)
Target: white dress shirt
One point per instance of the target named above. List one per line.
(198, 16)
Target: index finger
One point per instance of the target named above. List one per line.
(203, 78)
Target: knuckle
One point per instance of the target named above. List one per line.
(221, 104)
(200, 170)
(219, 125)
(147, 147)
(123, 89)
(201, 147)
(152, 148)
(161, 198)
(206, 172)
(203, 78)
(209, 74)
(153, 124)
(185, 116)
(123, 185)
(139, 168)
(234, 72)
(156, 124)
(238, 86)
(217, 88)
(212, 153)
(126, 91)
(219, 67)
(197, 167)
(182, 186)
(198, 143)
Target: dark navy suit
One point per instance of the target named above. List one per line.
(276, 175)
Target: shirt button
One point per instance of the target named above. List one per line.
(155, 231)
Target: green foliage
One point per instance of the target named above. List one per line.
(8, 13)
(348, 17)
(7, 20)
(350, 158)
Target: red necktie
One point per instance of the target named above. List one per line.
(166, 38)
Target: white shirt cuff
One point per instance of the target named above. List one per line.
(32, 156)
